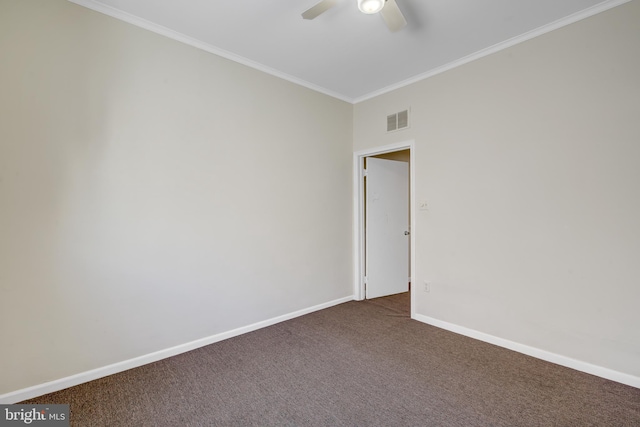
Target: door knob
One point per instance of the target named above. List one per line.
(406, 233)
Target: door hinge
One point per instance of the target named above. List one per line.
(364, 172)
(365, 287)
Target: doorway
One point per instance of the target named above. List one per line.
(400, 152)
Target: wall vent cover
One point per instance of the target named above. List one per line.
(398, 121)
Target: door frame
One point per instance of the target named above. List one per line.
(359, 220)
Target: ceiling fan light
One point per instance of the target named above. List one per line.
(370, 6)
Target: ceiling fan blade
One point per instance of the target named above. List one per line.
(319, 9)
(393, 16)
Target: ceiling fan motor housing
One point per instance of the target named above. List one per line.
(388, 9)
(370, 6)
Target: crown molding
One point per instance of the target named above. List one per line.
(175, 35)
(578, 16)
(159, 29)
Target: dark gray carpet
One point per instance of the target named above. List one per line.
(356, 364)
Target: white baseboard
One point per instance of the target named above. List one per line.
(558, 359)
(83, 377)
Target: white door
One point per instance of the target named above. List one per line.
(386, 227)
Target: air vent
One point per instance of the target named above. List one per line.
(403, 119)
(392, 122)
(398, 121)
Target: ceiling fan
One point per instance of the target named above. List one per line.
(388, 9)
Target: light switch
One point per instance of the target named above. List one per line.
(423, 205)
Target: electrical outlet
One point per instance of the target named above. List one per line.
(427, 286)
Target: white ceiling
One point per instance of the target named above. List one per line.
(343, 52)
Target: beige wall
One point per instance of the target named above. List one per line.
(528, 160)
(152, 194)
